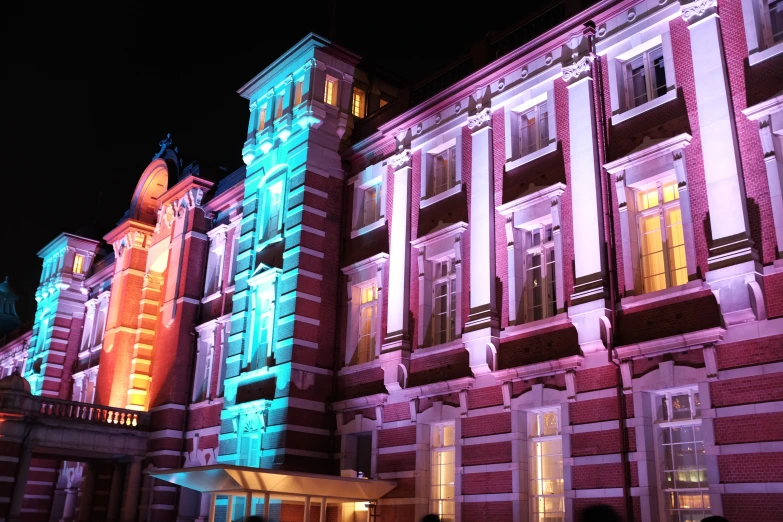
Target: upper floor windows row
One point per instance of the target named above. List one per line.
(763, 28)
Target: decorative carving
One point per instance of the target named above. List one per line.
(164, 144)
(400, 160)
(578, 68)
(767, 143)
(570, 378)
(480, 118)
(697, 8)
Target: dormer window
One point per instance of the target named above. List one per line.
(330, 91)
(645, 77)
(78, 264)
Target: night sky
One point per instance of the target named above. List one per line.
(88, 92)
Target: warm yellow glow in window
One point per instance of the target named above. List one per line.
(384, 102)
(330, 91)
(443, 472)
(358, 102)
(298, 86)
(368, 315)
(279, 107)
(78, 263)
(262, 118)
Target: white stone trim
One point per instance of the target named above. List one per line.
(640, 109)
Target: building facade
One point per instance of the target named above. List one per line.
(530, 285)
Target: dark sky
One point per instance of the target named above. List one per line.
(88, 91)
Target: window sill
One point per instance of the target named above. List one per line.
(634, 301)
(531, 326)
(657, 102)
(354, 368)
(368, 228)
(211, 297)
(527, 158)
(271, 241)
(426, 351)
(456, 189)
(766, 54)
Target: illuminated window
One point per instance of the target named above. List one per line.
(298, 87)
(442, 472)
(262, 118)
(443, 170)
(540, 279)
(78, 264)
(547, 502)
(661, 239)
(261, 345)
(279, 107)
(371, 208)
(384, 103)
(214, 276)
(358, 103)
(645, 77)
(681, 458)
(533, 129)
(368, 313)
(444, 301)
(330, 91)
(249, 451)
(273, 210)
(205, 355)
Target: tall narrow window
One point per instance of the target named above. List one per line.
(249, 451)
(681, 456)
(298, 88)
(442, 472)
(358, 103)
(368, 312)
(533, 129)
(645, 77)
(444, 300)
(78, 263)
(279, 107)
(443, 170)
(661, 238)
(540, 282)
(262, 117)
(371, 208)
(547, 502)
(775, 8)
(263, 345)
(273, 200)
(215, 264)
(330, 91)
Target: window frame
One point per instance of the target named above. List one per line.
(649, 68)
(264, 289)
(431, 147)
(373, 335)
(435, 502)
(360, 275)
(532, 440)
(269, 187)
(205, 355)
(362, 106)
(78, 264)
(451, 174)
(330, 97)
(216, 259)
(449, 281)
(371, 177)
(542, 249)
(517, 102)
(539, 120)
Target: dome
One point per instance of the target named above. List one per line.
(14, 382)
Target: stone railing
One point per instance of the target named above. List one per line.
(94, 413)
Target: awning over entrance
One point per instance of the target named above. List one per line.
(228, 479)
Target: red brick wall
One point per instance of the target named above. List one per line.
(752, 507)
(596, 410)
(748, 428)
(486, 425)
(597, 476)
(751, 467)
(494, 511)
(747, 390)
(750, 353)
(486, 483)
(481, 454)
(396, 462)
(397, 436)
(485, 397)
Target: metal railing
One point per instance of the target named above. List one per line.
(93, 413)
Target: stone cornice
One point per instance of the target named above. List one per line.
(376, 260)
(553, 191)
(652, 151)
(765, 108)
(455, 229)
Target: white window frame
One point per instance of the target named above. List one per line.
(335, 82)
(373, 307)
(651, 93)
(84, 384)
(273, 184)
(543, 249)
(519, 112)
(236, 232)
(252, 458)
(205, 356)
(213, 280)
(451, 138)
(534, 211)
(449, 281)
(518, 101)
(360, 275)
(532, 417)
(372, 176)
(435, 248)
(94, 324)
(663, 424)
(435, 501)
(641, 168)
(758, 31)
(263, 289)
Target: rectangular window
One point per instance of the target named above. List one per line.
(442, 472)
(661, 238)
(533, 129)
(273, 201)
(547, 502)
(78, 263)
(368, 313)
(444, 301)
(540, 280)
(298, 88)
(371, 208)
(214, 265)
(330, 91)
(443, 171)
(358, 103)
(681, 459)
(279, 107)
(262, 118)
(645, 77)
(263, 332)
(249, 453)
(775, 10)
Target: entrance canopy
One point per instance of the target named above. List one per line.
(227, 479)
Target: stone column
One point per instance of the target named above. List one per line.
(20, 484)
(130, 503)
(88, 491)
(520, 478)
(322, 512)
(115, 494)
(481, 334)
(395, 352)
(307, 509)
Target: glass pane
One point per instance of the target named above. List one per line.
(437, 440)
(776, 19)
(658, 74)
(681, 408)
(448, 435)
(676, 239)
(670, 192)
(648, 198)
(653, 267)
(636, 81)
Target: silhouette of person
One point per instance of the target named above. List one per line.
(714, 518)
(599, 513)
(430, 518)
